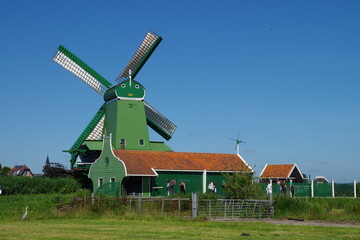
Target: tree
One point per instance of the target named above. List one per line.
(53, 169)
(4, 170)
(241, 185)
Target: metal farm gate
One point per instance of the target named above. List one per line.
(235, 209)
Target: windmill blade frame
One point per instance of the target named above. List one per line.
(158, 122)
(145, 50)
(93, 128)
(76, 66)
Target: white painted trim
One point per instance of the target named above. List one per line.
(263, 170)
(312, 188)
(291, 170)
(99, 181)
(80, 163)
(171, 170)
(299, 170)
(245, 163)
(131, 99)
(319, 177)
(140, 175)
(354, 188)
(204, 181)
(154, 171)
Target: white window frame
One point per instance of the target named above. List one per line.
(100, 182)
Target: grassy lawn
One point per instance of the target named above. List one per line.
(164, 228)
(108, 221)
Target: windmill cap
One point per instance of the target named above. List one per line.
(126, 89)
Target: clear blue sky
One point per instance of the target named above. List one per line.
(285, 74)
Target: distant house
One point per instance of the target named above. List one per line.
(321, 179)
(287, 172)
(20, 170)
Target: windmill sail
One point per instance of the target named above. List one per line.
(90, 127)
(80, 69)
(158, 122)
(97, 132)
(147, 47)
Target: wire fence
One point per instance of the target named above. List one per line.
(182, 207)
(314, 189)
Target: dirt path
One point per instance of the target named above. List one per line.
(303, 223)
(313, 223)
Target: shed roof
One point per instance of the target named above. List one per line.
(278, 171)
(148, 162)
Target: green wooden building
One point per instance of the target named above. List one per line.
(148, 172)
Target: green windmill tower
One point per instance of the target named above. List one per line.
(125, 115)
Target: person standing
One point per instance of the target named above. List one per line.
(292, 190)
(182, 187)
(223, 188)
(269, 189)
(283, 187)
(211, 186)
(214, 188)
(171, 186)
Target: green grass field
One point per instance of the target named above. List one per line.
(45, 222)
(166, 228)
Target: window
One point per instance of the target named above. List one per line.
(122, 143)
(141, 142)
(112, 182)
(100, 182)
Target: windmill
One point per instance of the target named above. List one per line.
(237, 146)
(125, 115)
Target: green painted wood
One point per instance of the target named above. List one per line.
(107, 166)
(193, 181)
(146, 188)
(126, 119)
(160, 146)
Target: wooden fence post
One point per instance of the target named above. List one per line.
(139, 203)
(162, 206)
(194, 205)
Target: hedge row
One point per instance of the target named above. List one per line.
(25, 185)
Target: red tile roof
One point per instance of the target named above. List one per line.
(277, 171)
(142, 162)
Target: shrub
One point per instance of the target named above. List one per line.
(24, 185)
(241, 185)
